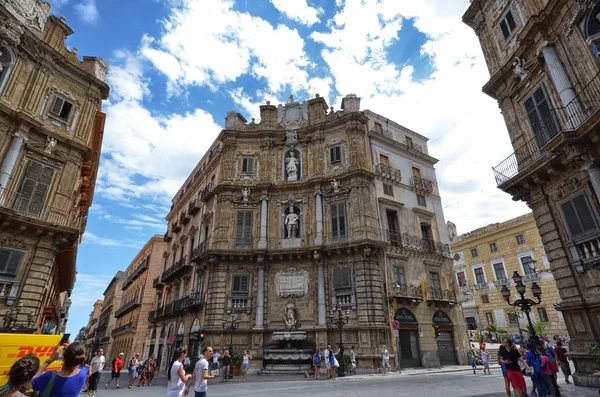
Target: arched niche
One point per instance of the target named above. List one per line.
(288, 155)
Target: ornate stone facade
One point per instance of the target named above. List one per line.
(284, 247)
(551, 108)
(107, 319)
(51, 131)
(91, 328)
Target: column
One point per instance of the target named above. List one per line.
(319, 216)
(260, 297)
(262, 241)
(563, 86)
(10, 159)
(321, 296)
(593, 171)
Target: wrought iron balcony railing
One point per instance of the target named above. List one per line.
(387, 172)
(421, 185)
(193, 207)
(189, 304)
(404, 240)
(184, 218)
(406, 291)
(168, 236)
(178, 268)
(206, 193)
(175, 227)
(135, 274)
(27, 207)
(128, 306)
(200, 249)
(157, 282)
(440, 294)
(122, 328)
(569, 118)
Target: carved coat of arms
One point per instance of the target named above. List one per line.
(292, 115)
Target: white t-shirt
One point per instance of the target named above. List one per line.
(175, 386)
(97, 364)
(385, 354)
(200, 384)
(216, 358)
(485, 357)
(326, 354)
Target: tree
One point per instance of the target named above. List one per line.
(539, 328)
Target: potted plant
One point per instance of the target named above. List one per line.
(236, 363)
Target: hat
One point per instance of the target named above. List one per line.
(121, 354)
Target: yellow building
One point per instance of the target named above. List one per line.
(486, 259)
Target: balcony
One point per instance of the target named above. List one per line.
(157, 282)
(387, 172)
(239, 304)
(191, 303)
(123, 328)
(180, 267)
(406, 293)
(193, 207)
(481, 286)
(500, 283)
(206, 193)
(184, 218)
(557, 121)
(135, 274)
(8, 291)
(93, 321)
(104, 340)
(406, 241)
(421, 185)
(441, 297)
(175, 227)
(200, 249)
(587, 251)
(168, 236)
(531, 277)
(29, 208)
(128, 306)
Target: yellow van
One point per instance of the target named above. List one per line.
(16, 346)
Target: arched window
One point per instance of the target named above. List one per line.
(592, 30)
(7, 62)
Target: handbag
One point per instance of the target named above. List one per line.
(335, 362)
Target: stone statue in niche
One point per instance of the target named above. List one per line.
(245, 194)
(291, 322)
(335, 184)
(291, 166)
(291, 223)
(50, 145)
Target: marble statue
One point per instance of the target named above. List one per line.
(520, 69)
(335, 184)
(291, 166)
(291, 223)
(290, 315)
(50, 145)
(245, 194)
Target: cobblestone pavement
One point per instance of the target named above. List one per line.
(456, 384)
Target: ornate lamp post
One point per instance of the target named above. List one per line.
(11, 318)
(340, 321)
(523, 303)
(231, 325)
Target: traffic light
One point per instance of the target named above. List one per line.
(199, 335)
(436, 331)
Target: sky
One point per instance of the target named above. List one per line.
(178, 66)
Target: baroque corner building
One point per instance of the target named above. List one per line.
(285, 222)
(51, 129)
(544, 73)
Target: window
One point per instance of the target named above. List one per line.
(239, 285)
(335, 154)
(399, 275)
(409, 142)
(542, 121)
(479, 275)
(6, 60)
(388, 189)
(434, 280)
(191, 248)
(520, 239)
(33, 190)
(474, 253)
(426, 232)
(243, 230)
(393, 229)
(543, 315)
(493, 247)
(485, 299)
(513, 318)
(10, 261)
(342, 279)
(248, 166)
(507, 25)
(527, 263)
(490, 318)
(338, 222)
(61, 108)
(461, 278)
(579, 217)
(499, 271)
(421, 200)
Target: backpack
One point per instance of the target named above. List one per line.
(317, 358)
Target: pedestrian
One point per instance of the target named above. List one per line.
(215, 361)
(502, 351)
(385, 359)
(186, 365)
(200, 374)
(332, 362)
(327, 361)
(353, 360)
(133, 369)
(176, 375)
(485, 360)
(563, 360)
(115, 373)
(547, 374)
(317, 363)
(69, 380)
(473, 360)
(142, 374)
(552, 357)
(511, 358)
(150, 368)
(226, 365)
(96, 367)
(533, 361)
(246, 364)
(20, 376)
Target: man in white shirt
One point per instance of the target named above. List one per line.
(200, 376)
(215, 360)
(96, 366)
(327, 363)
(385, 359)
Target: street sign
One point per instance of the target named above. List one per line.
(396, 324)
(396, 333)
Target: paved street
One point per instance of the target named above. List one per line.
(441, 384)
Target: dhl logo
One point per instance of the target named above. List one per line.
(39, 351)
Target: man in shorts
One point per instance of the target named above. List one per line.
(385, 359)
(563, 361)
(115, 373)
(511, 358)
(326, 361)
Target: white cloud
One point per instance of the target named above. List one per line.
(88, 11)
(88, 289)
(91, 238)
(299, 11)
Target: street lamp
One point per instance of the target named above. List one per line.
(231, 325)
(523, 303)
(340, 321)
(11, 318)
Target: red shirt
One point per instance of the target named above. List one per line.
(561, 352)
(117, 365)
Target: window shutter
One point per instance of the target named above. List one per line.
(13, 262)
(511, 21)
(342, 219)
(4, 259)
(248, 225)
(341, 279)
(334, 221)
(250, 166)
(239, 227)
(244, 284)
(57, 105)
(332, 154)
(578, 216)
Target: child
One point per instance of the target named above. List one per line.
(473, 360)
(485, 359)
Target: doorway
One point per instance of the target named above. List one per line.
(408, 348)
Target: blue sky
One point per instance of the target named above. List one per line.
(178, 66)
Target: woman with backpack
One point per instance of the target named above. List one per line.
(69, 380)
(20, 376)
(133, 370)
(547, 373)
(533, 361)
(317, 363)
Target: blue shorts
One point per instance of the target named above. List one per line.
(245, 366)
(473, 364)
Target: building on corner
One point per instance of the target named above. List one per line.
(107, 320)
(91, 328)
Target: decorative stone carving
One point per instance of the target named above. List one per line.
(292, 200)
(291, 138)
(521, 69)
(291, 283)
(576, 13)
(12, 242)
(291, 223)
(576, 153)
(567, 187)
(10, 33)
(291, 322)
(50, 145)
(351, 103)
(292, 115)
(287, 336)
(245, 194)
(291, 166)
(335, 184)
(33, 13)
